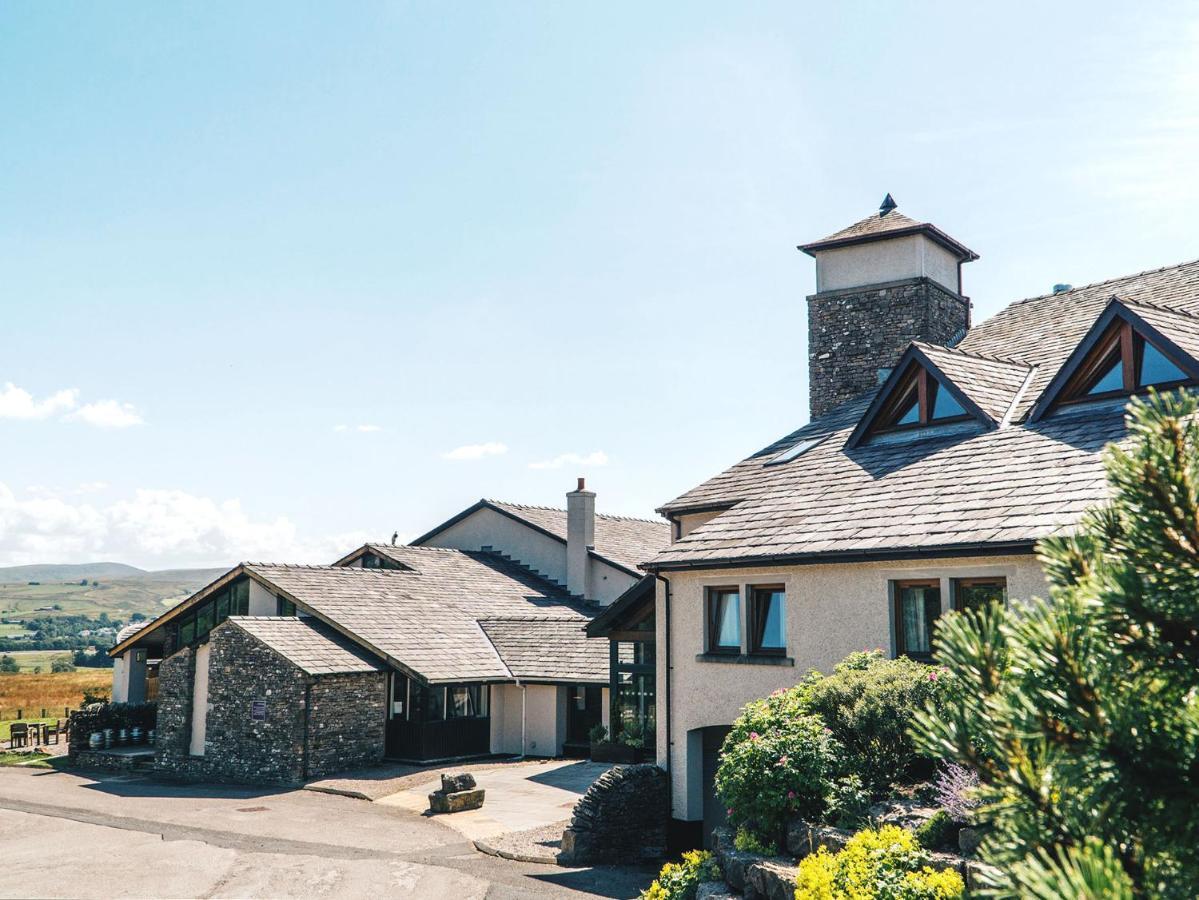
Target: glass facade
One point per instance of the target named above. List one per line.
(195, 624)
(634, 700)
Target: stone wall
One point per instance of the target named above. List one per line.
(334, 722)
(347, 717)
(622, 817)
(854, 333)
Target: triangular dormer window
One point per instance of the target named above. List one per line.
(1123, 354)
(915, 396)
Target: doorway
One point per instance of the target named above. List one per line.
(584, 710)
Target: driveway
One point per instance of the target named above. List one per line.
(68, 835)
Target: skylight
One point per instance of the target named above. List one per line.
(795, 450)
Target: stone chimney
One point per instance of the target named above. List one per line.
(580, 539)
(881, 283)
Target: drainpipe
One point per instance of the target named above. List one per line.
(669, 733)
(523, 721)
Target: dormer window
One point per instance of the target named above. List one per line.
(375, 561)
(918, 399)
(1128, 350)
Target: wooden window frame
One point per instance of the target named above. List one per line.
(710, 611)
(755, 621)
(1120, 338)
(897, 587)
(926, 387)
(955, 583)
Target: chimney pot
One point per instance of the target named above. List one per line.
(582, 484)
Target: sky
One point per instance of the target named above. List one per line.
(277, 278)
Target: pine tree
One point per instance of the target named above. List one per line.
(1081, 712)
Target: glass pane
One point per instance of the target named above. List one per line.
(204, 620)
(1156, 369)
(728, 620)
(919, 608)
(240, 605)
(187, 631)
(944, 406)
(771, 613)
(911, 416)
(222, 607)
(1111, 380)
(435, 704)
(635, 703)
(978, 594)
(465, 701)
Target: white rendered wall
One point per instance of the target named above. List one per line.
(830, 611)
(200, 701)
(878, 262)
(262, 601)
(688, 522)
(120, 679)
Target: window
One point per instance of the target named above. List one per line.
(766, 620)
(466, 701)
(724, 620)
(204, 622)
(794, 451)
(918, 399)
(917, 606)
(187, 630)
(435, 703)
(284, 607)
(973, 593)
(374, 561)
(222, 607)
(1121, 362)
(239, 605)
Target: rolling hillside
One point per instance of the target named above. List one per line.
(122, 592)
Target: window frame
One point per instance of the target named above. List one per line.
(756, 620)
(897, 587)
(1128, 344)
(916, 377)
(955, 602)
(712, 607)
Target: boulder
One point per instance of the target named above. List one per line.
(969, 839)
(770, 879)
(463, 781)
(455, 801)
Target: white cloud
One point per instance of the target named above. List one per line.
(366, 429)
(477, 451)
(598, 458)
(107, 414)
(155, 529)
(17, 403)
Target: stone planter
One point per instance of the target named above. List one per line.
(620, 754)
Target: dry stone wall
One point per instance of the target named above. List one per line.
(622, 817)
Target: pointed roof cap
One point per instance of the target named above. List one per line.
(888, 222)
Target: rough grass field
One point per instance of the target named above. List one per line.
(149, 593)
(54, 692)
(29, 660)
(13, 629)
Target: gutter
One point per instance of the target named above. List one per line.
(941, 551)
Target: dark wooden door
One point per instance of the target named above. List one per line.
(714, 811)
(584, 712)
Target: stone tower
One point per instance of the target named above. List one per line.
(880, 283)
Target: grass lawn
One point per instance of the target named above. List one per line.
(5, 726)
(29, 760)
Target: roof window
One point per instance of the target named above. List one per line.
(795, 450)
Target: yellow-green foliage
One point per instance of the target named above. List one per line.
(887, 863)
(680, 881)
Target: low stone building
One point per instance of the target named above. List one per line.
(269, 699)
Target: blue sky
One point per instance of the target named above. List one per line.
(266, 267)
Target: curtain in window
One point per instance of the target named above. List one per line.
(768, 619)
(919, 608)
(726, 620)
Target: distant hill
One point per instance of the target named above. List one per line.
(120, 590)
(49, 573)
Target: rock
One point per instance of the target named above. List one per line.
(969, 839)
(736, 864)
(464, 781)
(799, 838)
(942, 861)
(714, 890)
(456, 801)
(770, 879)
(904, 813)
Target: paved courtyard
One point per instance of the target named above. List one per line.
(68, 835)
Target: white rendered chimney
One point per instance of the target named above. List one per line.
(580, 539)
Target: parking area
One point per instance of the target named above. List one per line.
(70, 835)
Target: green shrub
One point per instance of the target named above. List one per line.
(938, 832)
(598, 734)
(868, 703)
(886, 864)
(849, 803)
(777, 761)
(747, 841)
(632, 735)
(680, 881)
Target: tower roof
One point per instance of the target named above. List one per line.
(888, 222)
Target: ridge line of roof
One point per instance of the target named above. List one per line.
(1094, 284)
(985, 357)
(559, 509)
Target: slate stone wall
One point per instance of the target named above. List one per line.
(623, 816)
(346, 722)
(854, 333)
(336, 722)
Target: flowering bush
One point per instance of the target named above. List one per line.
(680, 881)
(777, 761)
(869, 702)
(886, 864)
(957, 792)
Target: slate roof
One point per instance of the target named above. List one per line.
(548, 649)
(427, 619)
(892, 223)
(991, 382)
(942, 490)
(310, 645)
(625, 541)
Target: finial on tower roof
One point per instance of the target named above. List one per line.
(888, 205)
